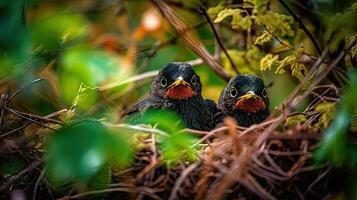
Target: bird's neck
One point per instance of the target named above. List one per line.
(248, 118)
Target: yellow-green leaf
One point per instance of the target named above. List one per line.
(268, 62)
(295, 119)
(298, 70)
(263, 38)
(226, 13)
(213, 11)
(327, 110)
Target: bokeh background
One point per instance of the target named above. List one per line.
(94, 58)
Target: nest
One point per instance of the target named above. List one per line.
(264, 161)
(259, 162)
(232, 166)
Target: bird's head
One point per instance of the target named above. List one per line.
(245, 93)
(177, 80)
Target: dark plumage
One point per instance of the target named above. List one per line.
(245, 99)
(177, 87)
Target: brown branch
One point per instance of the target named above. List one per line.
(216, 35)
(303, 27)
(184, 174)
(146, 190)
(177, 23)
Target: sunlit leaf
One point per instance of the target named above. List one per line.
(165, 120)
(268, 62)
(263, 38)
(226, 13)
(90, 67)
(213, 11)
(178, 148)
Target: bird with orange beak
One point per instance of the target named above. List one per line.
(178, 88)
(245, 99)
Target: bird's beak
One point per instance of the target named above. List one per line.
(250, 102)
(180, 89)
(179, 81)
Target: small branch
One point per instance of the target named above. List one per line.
(146, 190)
(136, 128)
(303, 27)
(26, 170)
(192, 42)
(216, 35)
(290, 47)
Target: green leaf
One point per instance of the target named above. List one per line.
(57, 29)
(334, 140)
(334, 145)
(121, 151)
(90, 67)
(340, 25)
(165, 120)
(178, 147)
(77, 151)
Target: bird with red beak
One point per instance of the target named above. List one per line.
(178, 88)
(245, 99)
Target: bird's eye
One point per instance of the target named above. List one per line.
(233, 92)
(163, 81)
(194, 79)
(264, 93)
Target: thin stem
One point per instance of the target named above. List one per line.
(303, 27)
(216, 35)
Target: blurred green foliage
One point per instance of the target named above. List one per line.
(57, 29)
(92, 43)
(338, 145)
(14, 37)
(335, 145)
(175, 144)
(80, 150)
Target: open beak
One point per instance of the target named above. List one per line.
(250, 102)
(180, 89)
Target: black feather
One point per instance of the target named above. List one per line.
(243, 84)
(195, 112)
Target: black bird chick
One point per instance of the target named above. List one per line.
(245, 99)
(178, 88)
